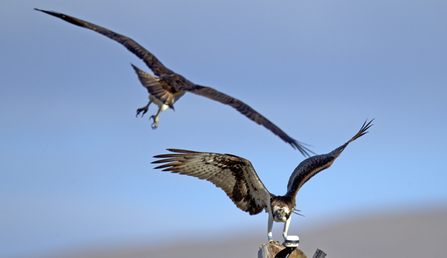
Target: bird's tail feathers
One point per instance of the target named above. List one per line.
(146, 79)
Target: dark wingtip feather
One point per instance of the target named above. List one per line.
(50, 12)
(170, 157)
(160, 159)
(181, 151)
(134, 67)
(301, 148)
(40, 10)
(64, 17)
(364, 130)
(166, 166)
(161, 156)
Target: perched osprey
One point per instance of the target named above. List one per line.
(165, 89)
(237, 177)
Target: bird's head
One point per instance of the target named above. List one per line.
(281, 213)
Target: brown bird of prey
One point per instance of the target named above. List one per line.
(237, 177)
(166, 87)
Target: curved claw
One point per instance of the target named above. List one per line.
(271, 241)
(144, 110)
(154, 124)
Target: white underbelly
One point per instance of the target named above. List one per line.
(157, 102)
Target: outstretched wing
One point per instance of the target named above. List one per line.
(311, 166)
(235, 175)
(179, 82)
(154, 64)
(251, 114)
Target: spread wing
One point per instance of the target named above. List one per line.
(154, 64)
(178, 82)
(235, 175)
(251, 114)
(311, 166)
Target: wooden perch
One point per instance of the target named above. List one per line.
(269, 250)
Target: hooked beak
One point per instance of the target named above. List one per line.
(280, 215)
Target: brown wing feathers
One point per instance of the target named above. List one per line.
(232, 174)
(251, 114)
(179, 83)
(313, 165)
(237, 177)
(157, 88)
(151, 61)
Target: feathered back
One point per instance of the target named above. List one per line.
(311, 166)
(235, 175)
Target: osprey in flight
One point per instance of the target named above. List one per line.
(237, 177)
(165, 89)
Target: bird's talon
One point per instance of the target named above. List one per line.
(154, 124)
(271, 241)
(144, 110)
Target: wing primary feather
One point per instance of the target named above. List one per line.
(151, 61)
(252, 114)
(313, 165)
(166, 159)
(234, 175)
(177, 83)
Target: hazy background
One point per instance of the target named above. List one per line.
(75, 162)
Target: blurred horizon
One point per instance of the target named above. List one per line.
(407, 233)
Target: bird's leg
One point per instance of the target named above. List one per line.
(144, 109)
(155, 118)
(270, 226)
(286, 227)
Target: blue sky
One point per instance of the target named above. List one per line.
(75, 162)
